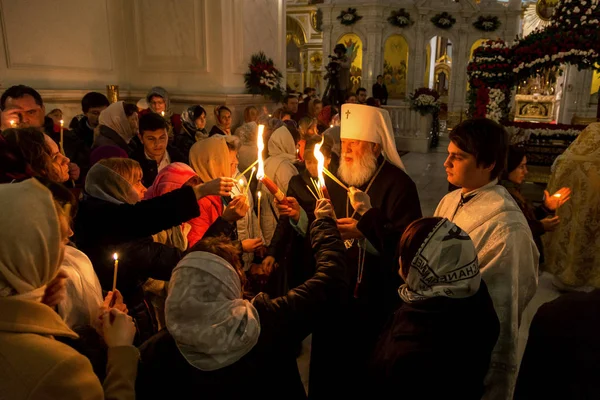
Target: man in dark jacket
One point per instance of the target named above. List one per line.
(92, 104)
(380, 90)
(156, 153)
(22, 106)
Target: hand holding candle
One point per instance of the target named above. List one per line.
(554, 202)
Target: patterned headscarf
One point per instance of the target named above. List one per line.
(445, 265)
(206, 315)
(188, 119)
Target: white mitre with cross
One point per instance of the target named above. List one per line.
(370, 124)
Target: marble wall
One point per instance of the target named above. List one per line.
(197, 49)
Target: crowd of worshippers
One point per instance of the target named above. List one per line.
(137, 262)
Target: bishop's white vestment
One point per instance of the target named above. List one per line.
(508, 260)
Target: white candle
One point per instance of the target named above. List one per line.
(259, 194)
(116, 258)
(62, 147)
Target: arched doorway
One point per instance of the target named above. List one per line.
(295, 54)
(395, 66)
(439, 71)
(354, 51)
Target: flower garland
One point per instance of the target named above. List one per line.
(400, 18)
(425, 101)
(572, 38)
(490, 81)
(443, 20)
(263, 78)
(522, 132)
(349, 17)
(487, 24)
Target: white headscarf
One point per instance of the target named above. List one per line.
(370, 124)
(84, 293)
(115, 118)
(30, 239)
(105, 184)
(281, 148)
(445, 265)
(206, 315)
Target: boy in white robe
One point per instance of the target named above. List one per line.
(508, 257)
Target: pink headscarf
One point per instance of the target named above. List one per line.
(170, 178)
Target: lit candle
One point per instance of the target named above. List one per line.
(116, 258)
(13, 124)
(62, 147)
(162, 113)
(259, 195)
(321, 166)
(331, 126)
(260, 174)
(557, 195)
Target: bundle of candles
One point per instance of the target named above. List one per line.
(319, 183)
(260, 175)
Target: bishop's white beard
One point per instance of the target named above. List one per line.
(359, 171)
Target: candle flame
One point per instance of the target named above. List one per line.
(321, 162)
(261, 146)
(13, 124)
(259, 194)
(162, 113)
(116, 256)
(241, 182)
(61, 122)
(557, 195)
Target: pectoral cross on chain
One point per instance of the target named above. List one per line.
(348, 114)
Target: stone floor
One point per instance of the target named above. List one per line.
(427, 171)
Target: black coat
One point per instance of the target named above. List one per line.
(380, 92)
(269, 370)
(215, 130)
(561, 360)
(342, 345)
(439, 348)
(81, 129)
(292, 251)
(150, 167)
(108, 137)
(103, 228)
(184, 140)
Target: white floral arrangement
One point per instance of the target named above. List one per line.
(583, 53)
(425, 101)
(519, 134)
(269, 80)
(494, 110)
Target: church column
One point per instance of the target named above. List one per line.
(374, 57)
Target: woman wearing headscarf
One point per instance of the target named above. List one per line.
(118, 125)
(439, 342)
(34, 365)
(193, 129)
(248, 149)
(541, 219)
(223, 118)
(280, 168)
(159, 102)
(572, 249)
(118, 181)
(223, 345)
(214, 157)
